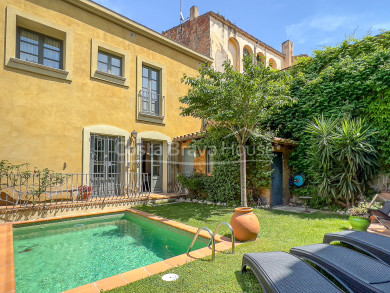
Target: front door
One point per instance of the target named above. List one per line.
(277, 180)
(106, 164)
(152, 165)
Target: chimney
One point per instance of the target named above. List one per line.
(194, 12)
(288, 51)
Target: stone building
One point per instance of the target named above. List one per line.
(213, 35)
(81, 82)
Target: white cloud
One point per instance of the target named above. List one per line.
(323, 30)
(330, 23)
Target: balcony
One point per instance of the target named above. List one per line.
(151, 106)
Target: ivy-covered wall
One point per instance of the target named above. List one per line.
(351, 79)
(224, 184)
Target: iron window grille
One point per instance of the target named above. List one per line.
(38, 48)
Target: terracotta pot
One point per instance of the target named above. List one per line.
(87, 195)
(359, 223)
(245, 224)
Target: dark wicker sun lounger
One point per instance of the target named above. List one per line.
(356, 271)
(382, 215)
(282, 272)
(377, 246)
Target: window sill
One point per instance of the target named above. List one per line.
(110, 77)
(151, 118)
(38, 68)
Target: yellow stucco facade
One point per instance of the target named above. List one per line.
(46, 113)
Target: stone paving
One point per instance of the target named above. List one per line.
(293, 209)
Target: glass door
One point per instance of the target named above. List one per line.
(150, 91)
(156, 166)
(106, 165)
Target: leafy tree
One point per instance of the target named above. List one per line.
(342, 157)
(224, 185)
(240, 102)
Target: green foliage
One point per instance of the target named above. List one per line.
(351, 79)
(224, 185)
(195, 184)
(240, 102)
(33, 183)
(361, 210)
(342, 158)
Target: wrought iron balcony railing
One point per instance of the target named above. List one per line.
(151, 104)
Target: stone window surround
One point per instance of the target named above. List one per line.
(163, 88)
(18, 18)
(123, 80)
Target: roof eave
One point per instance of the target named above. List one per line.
(133, 26)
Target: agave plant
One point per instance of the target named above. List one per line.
(343, 158)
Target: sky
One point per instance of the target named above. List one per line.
(309, 24)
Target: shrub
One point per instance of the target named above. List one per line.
(194, 184)
(224, 184)
(342, 157)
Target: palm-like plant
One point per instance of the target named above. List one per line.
(343, 157)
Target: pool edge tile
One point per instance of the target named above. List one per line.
(111, 283)
(175, 261)
(136, 275)
(88, 288)
(8, 284)
(157, 268)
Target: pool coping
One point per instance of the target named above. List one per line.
(7, 262)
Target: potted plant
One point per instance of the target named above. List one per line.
(85, 192)
(359, 216)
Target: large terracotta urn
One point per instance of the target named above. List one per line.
(245, 224)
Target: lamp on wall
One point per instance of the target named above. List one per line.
(133, 138)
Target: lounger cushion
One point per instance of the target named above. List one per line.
(377, 246)
(282, 272)
(348, 264)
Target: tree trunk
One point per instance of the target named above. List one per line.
(243, 174)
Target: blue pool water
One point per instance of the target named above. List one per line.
(61, 255)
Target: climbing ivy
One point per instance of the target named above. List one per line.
(224, 184)
(351, 79)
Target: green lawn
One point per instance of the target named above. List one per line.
(279, 231)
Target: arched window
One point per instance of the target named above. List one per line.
(247, 50)
(233, 53)
(272, 63)
(260, 58)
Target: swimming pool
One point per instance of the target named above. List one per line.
(60, 255)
